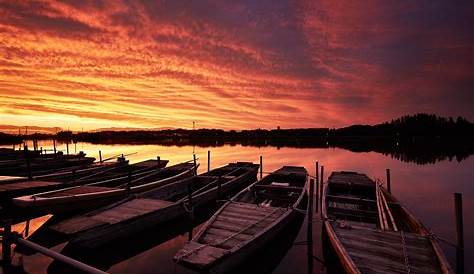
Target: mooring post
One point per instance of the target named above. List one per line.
(208, 160)
(73, 179)
(317, 186)
(321, 187)
(309, 239)
(459, 233)
(219, 187)
(100, 156)
(129, 180)
(261, 167)
(75, 147)
(195, 164)
(54, 147)
(67, 148)
(28, 164)
(158, 161)
(310, 203)
(27, 228)
(190, 202)
(389, 187)
(6, 243)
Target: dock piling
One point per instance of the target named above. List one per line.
(459, 233)
(67, 148)
(100, 156)
(389, 188)
(208, 160)
(309, 235)
(158, 161)
(261, 167)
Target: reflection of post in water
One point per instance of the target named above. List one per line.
(309, 219)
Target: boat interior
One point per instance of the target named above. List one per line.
(278, 189)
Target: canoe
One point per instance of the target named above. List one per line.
(143, 211)
(247, 223)
(372, 232)
(103, 192)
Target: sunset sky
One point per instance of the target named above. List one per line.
(233, 64)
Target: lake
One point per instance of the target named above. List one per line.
(427, 190)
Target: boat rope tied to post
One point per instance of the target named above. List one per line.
(405, 254)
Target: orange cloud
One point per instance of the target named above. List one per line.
(96, 64)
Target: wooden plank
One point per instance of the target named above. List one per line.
(133, 208)
(77, 224)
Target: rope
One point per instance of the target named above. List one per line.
(405, 254)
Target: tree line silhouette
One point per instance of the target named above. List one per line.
(420, 138)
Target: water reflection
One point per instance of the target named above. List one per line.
(425, 189)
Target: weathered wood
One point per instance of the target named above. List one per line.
(365, 248)
(241, 226)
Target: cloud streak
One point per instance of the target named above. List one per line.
(232, 65)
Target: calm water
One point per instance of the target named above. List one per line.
(427, 190)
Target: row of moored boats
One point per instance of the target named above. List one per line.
(106, 201)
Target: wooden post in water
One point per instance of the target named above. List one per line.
(28, 164)
(190, 202)
(261, 167)
(317, 186)
(459, 233)
(27, 228)
(195, 164)
(321, 187)
(158, 161)
(309, 235)
(208, 160)
(54, 147)
(100, 156)
(6, 243)
(219, 187)
(129, 180)
(67, 148)
(389, 187)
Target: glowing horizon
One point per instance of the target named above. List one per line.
(146, 64)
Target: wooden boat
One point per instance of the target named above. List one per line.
(247, 223)
(372, 232)
(41, 166)
(103, 192)
(66, 178)
(143, 211)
